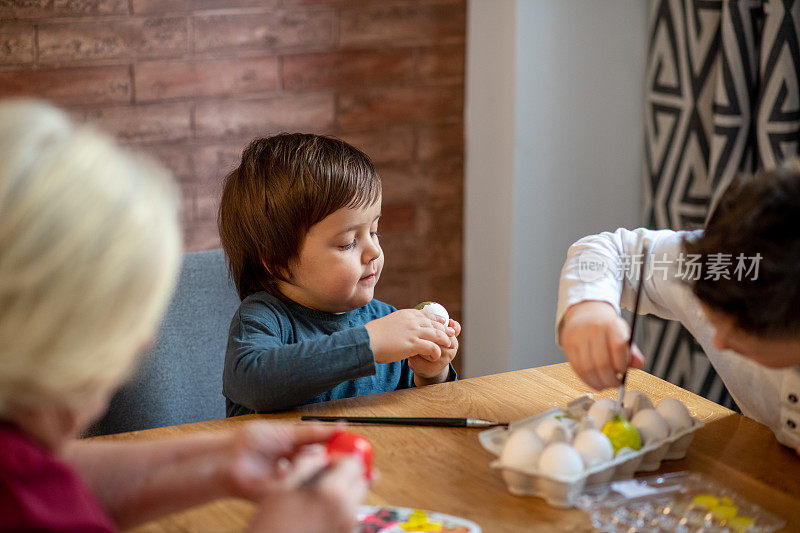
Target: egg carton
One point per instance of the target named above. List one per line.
(564, 491)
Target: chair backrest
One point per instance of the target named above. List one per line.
(180, 379)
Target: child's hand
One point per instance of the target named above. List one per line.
(408, 332)
(595, 340)
(428, 372)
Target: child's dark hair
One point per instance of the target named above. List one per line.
(284, 185)
(756, 216)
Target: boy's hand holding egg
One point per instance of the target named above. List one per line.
(428, 372)
(436, 308)
(426, 337)
(408, 331)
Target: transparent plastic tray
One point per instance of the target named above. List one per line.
(564, 491)
(682, 502)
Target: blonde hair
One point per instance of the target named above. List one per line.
(89, 249)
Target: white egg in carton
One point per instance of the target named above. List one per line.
(557, 453)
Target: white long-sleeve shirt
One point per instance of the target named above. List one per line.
(593, 270)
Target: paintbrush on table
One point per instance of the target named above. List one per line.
(410, 421)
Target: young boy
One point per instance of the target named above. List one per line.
(298, 221)
(735, 286)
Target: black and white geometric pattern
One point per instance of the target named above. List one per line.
(721, 97)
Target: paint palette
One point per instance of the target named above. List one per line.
(372, 519)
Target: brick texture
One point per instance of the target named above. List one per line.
(440, 141)
(401, 182)
(397, 217)
(346, 68)
(213, 162)
(16, 44)
(401, 104)
(423, 22)
(226, 118)
(166, 6)
(112, 39)
(164, 80)
(61, 8)
(191, 82)
(440, 62)
(281, 28)
(101, 85)
(144, 123)
(393, 144)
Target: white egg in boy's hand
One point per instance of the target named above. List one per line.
(435, 308)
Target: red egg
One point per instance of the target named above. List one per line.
(350, 443)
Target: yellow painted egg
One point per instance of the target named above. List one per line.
(622, 434)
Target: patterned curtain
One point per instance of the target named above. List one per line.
(721, 97)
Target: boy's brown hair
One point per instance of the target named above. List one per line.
(284, 185)
(756, 217)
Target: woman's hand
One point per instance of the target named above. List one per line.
(258, 454)
(313, 496)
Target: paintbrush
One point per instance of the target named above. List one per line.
(642, 272)
(407, 421)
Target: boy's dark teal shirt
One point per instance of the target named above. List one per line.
(281, 354)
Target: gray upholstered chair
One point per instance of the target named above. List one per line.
(180, 379)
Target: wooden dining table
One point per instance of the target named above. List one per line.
(447, 470)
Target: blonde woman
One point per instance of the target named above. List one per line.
(89, 249)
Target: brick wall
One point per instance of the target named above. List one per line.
(191, 81)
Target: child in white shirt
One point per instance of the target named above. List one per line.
(735, 286)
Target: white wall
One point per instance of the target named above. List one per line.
(576, 132)
(488, 187)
